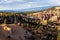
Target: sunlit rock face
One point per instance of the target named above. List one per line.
(53, 19)
(57, 7)
(44, 22)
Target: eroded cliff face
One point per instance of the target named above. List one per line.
(53, 14)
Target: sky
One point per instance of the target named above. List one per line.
(26, 4)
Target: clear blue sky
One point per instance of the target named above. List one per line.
(25, 4)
